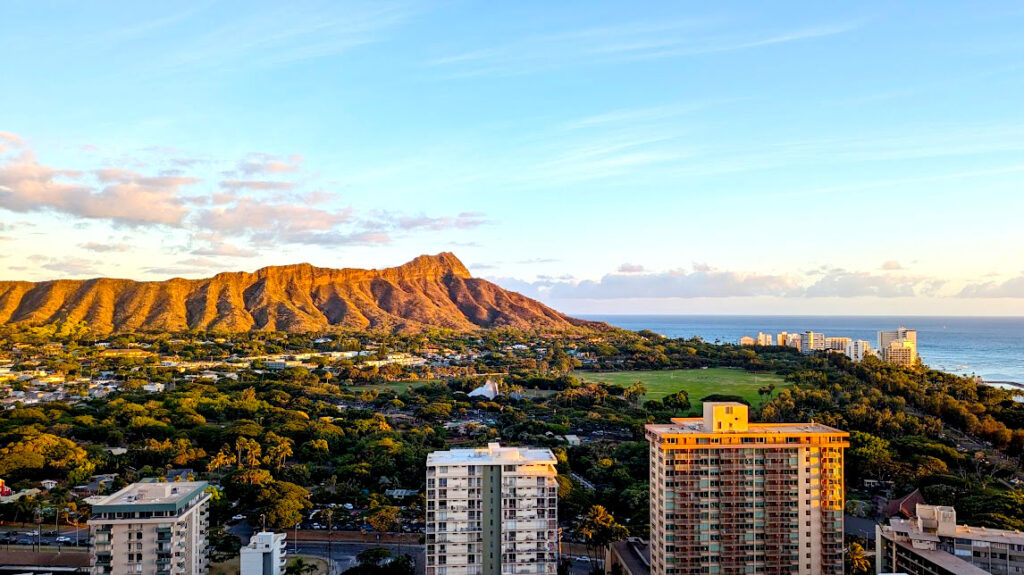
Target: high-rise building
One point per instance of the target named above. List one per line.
(729, 496)
(858, 349)
(264, 555)
(898, 347)
(837, 343)
(812, 341)
(931, 543)
(782, 339)
(492, 511)
(794, 340)
(765, 339)
(152, 528)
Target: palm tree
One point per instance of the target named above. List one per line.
(857, 561)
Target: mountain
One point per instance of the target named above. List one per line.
(429, 291)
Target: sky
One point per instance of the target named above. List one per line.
(604, 157)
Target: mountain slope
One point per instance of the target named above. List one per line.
(429, 291)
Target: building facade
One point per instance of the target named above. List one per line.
(837, 343)
(731, 497)
(858, 349)
(264, 555)
(152, 529)
(812, 341)
(932, 543)
(898, 347)
(492, 511)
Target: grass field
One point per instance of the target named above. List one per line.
(698, 383)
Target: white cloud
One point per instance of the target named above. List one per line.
(260, 163)
(628, 268)
(101, 247)
(891, 265)
(122, 196)
(71, 266)
(1011, 288)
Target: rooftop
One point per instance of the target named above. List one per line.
(949, 562)
(493, 454)
(696, 426)
(150, 496)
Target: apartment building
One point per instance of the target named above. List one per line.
(898, 347)
(152, 528)
(729, 496)
(858, 349)
(837, 343)
(492, 511)
(264, 555)
(932, 543)
(812, 341)
(765, 339)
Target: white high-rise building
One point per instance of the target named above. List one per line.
(492, 511)
(264, 555)
(152, 528)
(765, 339)
(858, 349)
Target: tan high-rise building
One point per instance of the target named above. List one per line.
(492, 511)
(152, 528)
(729, 496)
(837, 343)
(898, 347)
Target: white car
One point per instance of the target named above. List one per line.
(63, 539)
(238, 517)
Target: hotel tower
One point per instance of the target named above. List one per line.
(729, 496)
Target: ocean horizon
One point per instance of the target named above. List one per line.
(988, 346)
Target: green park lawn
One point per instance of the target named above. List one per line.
(698, 383)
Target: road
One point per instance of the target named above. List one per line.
(341, 554)
(16, 536)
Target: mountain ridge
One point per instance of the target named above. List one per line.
(428, 291)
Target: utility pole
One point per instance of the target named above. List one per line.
(330, 541)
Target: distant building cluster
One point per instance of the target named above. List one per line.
(898, 347)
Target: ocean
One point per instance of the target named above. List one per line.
(992, 347)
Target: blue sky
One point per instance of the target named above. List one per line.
(604, 157)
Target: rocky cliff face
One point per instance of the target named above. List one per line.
(429, 291)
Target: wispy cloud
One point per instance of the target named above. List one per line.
(703, 281)
(293, 32)
(633, 41)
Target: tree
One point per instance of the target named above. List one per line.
(857, 561)
(284, 504)
(635, 392)
(298, 566)
(678, 401)
(599, 529)
(383, 519)
(279, 449)
(249, 451)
